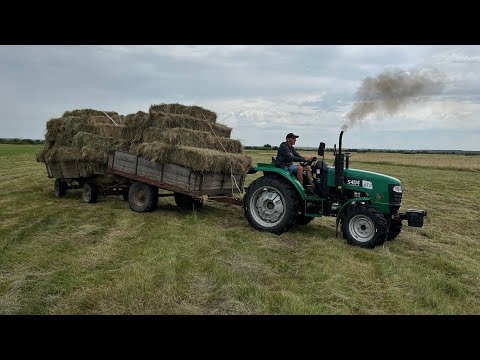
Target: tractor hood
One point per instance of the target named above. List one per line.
(384, 191)
(374, 177)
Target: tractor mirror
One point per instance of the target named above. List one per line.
(321, 149)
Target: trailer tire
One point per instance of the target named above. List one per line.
(394, 229)
(187, 202)
(271, 204)
(59, 188)
(90, 193)
(142, 197)
(364, 226)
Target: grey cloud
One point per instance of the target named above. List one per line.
(272, 88)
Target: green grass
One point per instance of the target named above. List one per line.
(12, 150)
(62, 256)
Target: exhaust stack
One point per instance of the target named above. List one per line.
(339, 164)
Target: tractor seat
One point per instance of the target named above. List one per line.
(274, 161)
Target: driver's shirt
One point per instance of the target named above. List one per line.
(287, 155)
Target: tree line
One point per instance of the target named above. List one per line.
(21, 141)
(461, 152)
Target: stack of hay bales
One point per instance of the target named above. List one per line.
(169, 133)
(83, 135)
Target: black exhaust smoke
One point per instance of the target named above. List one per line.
(392, 90)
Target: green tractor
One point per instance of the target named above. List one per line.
(366, 204)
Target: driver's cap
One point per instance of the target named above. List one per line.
(291, 135)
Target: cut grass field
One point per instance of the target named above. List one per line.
(63, 256)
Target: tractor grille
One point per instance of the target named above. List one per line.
(395, 199)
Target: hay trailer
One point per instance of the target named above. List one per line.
(92, 178)
(139, 181)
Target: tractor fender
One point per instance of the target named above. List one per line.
(343, 209)
(284, 175)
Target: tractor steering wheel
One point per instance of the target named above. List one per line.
(308, 163)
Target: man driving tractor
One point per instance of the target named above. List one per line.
(287, 154)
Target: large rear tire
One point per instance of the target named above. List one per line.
(271, 204)
(365, 227)
(142, 197)
(90, 193)
(394, 229)
(187, 202)
(59, 188)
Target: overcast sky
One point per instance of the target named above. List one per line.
(262, 92)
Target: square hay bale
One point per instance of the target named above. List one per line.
(101, 143)
(105, 120)
(193, 138)
(86, 113)
(86, 153)
(193, 111)
(111, 131)
(202, 160)
(138, 119)
(164, 120)
(54, 128)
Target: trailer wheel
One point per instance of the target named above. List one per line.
(271, 204)
(365, 227)
(59, 188)
(90, 193)
(394, 229)
(142, 197)
(187, 202)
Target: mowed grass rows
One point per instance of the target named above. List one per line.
(63, 256)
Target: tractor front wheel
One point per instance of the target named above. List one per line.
(365, 227)
(271, 205)
(394, 229)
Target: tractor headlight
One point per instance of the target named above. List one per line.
(397, 188)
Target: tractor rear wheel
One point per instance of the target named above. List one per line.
(59, 188)
(142, 197)
(364, 226)
(271, 204)
(90, 193)
(394, 229)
